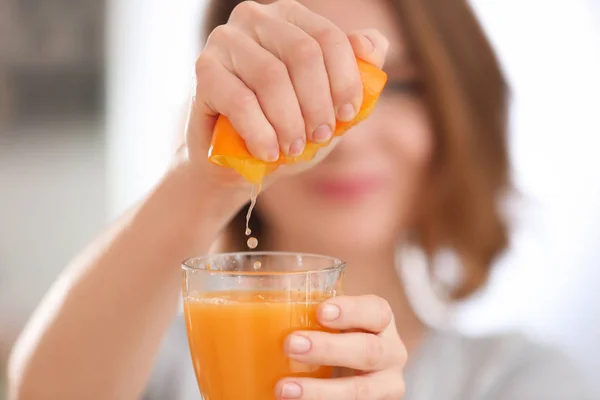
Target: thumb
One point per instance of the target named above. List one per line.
(370, 45)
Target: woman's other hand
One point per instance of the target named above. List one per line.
(282, 75)
(369, 346)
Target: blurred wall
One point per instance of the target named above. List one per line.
(52, 150)
(51, 59)
(52, 202)
(151, 47)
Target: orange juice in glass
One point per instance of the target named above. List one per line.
(239, 308)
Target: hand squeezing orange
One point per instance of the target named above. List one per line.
(229, 150)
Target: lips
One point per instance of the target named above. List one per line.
(350, 188)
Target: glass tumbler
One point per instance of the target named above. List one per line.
(239, 308)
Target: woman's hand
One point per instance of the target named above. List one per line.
(282, 75)
(369, 346)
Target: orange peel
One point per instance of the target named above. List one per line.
(228, 149)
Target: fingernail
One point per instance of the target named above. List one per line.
(322, 134)
(297, 147)
(298, 344)
(329, 312)
(291, 391)
(369, 45)
(273, 154)
(346, 113)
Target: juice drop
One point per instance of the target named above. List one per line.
(257, 265)
(252, 241)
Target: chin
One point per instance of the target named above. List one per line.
(350, 234)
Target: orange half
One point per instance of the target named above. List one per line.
(228, 149)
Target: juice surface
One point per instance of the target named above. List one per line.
(236, 341)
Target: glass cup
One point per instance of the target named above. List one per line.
(239, 308)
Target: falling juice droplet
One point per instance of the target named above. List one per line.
(252, 242)
(257, 265)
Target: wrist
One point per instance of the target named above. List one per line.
(201, 197)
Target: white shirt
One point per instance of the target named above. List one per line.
(447, 366)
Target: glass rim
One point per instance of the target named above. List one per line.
(337, 264)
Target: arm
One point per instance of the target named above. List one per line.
(98, 329)
(97, 332)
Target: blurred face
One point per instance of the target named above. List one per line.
(365, 193)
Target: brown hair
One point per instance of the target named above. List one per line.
(466, 95)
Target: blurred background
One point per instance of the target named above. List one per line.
(92, 92)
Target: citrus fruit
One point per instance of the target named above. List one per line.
(229, 150)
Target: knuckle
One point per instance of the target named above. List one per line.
(293, 128)
(401, 388)
(275, 72)
(372, 298)
(373, 351)
(385, 312)
(333, 38)
(317, 113)
(289, 5)
(350, 89)
(307, 51)
(360, 389)
(221, 33)
(397, 392)
(327, 346)
(402, 354)
(322, 346)
(394, 394)
(243, 99)
(203, 67)
(246, 10)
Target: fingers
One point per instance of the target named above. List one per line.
(303, 57)
(289, 64)
(268, 77)
(370, 313)
(356, 350)
(370, 45)
(378, 353)
(388, 385)
(223, 92)
(344, 77)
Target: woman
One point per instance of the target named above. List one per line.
(427, 169)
